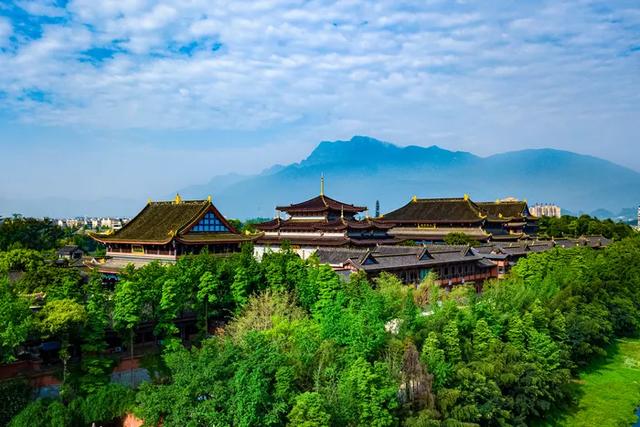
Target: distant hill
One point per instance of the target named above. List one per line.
(363, 170)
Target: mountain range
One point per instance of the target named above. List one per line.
(363, 170)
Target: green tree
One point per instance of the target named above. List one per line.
(207, 294)
(62, 318)
(309, 411)
(127, 310)
(96, 365)
(451, 342)
(366, 395)
(434, 358)
(29, 233)
(15, 318)
(482, 340)
(239, 288)
(459, 239)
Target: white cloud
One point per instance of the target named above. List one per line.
(41, 8)
(419, 69)
(6, 30)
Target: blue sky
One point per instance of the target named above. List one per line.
(135, 98)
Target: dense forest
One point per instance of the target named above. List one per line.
(571, 226)
(301, 347)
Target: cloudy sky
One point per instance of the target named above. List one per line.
(131, 98)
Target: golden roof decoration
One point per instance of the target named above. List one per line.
(414, 198)
(178, 199)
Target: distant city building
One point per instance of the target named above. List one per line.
(110, 223)
(545, 209)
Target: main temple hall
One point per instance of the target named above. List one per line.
(166, 230)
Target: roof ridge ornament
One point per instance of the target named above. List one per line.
(209, 198)
(178, 199)
(466, 196)
(322, 184)
(414, 198)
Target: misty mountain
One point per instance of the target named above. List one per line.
(363, 170)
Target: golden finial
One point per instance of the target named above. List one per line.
(178, 199)
(414, 198)
(209, 198)
(149, 201)
(341, 211)
(466, 196)
(322, 184)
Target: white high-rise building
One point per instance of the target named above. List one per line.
(545, 209)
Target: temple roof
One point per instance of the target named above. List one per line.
(431, 211)
(160, 222)
(383, 258)
(322, 203)
(505, 209)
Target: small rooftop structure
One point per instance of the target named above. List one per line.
(70, 252)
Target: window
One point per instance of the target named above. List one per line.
(209, 224)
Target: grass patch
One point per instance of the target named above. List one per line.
(608, 390)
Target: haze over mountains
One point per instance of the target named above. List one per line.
(363, 170)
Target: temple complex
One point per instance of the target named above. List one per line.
(163, 231)
(452, 265)
(321, 222)
(430, 220)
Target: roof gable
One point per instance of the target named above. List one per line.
(209, 223)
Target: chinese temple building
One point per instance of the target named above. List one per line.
(163, 231)
(508, 220)
(452, 265)
(430, 220)
(320, 222)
